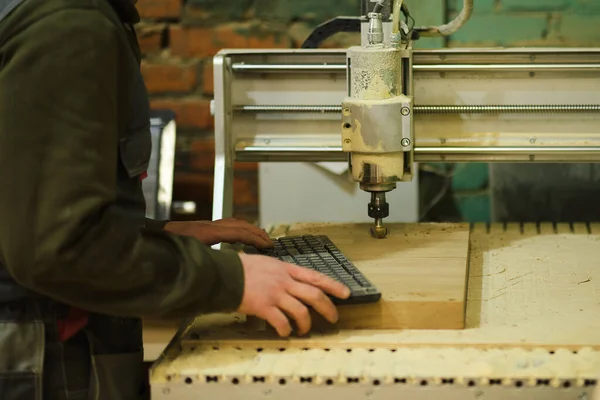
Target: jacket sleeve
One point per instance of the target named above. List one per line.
(60, 233)
(155, 224)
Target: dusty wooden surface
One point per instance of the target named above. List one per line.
(411, 365)
(529, 287)
(420, 269)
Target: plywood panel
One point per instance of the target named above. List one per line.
(421, 270)
(528, 288)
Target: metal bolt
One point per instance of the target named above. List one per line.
(405, 111)
(346, 111)
(405, 142)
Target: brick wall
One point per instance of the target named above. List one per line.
(180, 37)
(529, 23)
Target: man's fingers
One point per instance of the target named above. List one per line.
(279, 321)
(323, 282)
(315, 298)
(240, 224)
(229, 234)
(253, 230)
(298, 311)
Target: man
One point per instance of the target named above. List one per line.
(79, 264)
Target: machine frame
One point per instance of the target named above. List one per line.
(471, 105)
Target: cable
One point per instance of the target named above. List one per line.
(379, 6)
(396, 10)
(452, 26)
(444, 189)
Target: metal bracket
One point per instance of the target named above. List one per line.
(372, 125)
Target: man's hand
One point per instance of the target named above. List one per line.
(274, 290)
(222, 231)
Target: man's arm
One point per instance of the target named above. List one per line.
(60, 233)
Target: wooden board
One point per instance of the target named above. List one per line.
(421, 270)
(530, 286)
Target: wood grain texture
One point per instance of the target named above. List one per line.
(530, 286)
(420, 269)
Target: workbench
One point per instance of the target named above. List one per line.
(531, 327)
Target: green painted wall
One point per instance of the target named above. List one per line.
(505, 23)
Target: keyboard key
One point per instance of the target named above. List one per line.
(320, 253)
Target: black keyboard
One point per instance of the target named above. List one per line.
(320, 254)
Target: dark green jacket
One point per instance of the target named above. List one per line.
(74, 140)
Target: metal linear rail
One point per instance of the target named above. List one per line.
(432, 109)
(341, 68)
(432, 154)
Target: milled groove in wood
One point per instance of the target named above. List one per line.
(337, 377)
(551, 350)
(391, 380)
(556, 228)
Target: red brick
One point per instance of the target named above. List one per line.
(160, 9)
(245, 190)
(150, 38)
(170, 78)
(206, 42)
(190, 113)
(208, 83)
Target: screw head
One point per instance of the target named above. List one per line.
(405, 111)
(405, 142)
(347, 141)
(346, 111)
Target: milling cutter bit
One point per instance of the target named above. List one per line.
(378, 231)
(378, 210)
